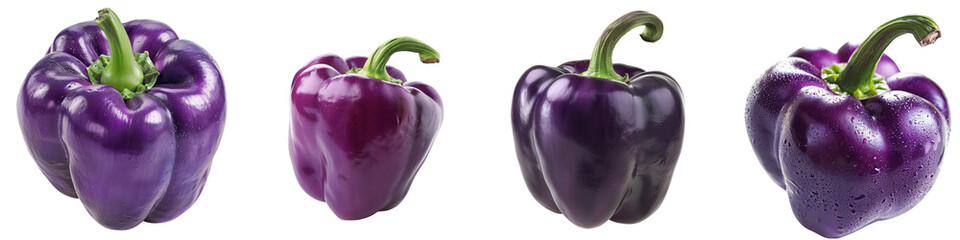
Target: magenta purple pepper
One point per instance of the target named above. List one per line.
(359, 132)
(853, 146)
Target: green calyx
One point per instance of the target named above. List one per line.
(149, 73)
(601, 62)
(858, 77)
(376, 64)
(832, 73)
(130, 73)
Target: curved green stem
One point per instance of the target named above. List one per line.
(857, 77)
(601, 62)
(376, 65)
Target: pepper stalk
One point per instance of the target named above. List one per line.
(601, 62)
(376, 64)
(130, 73)
(857, 77)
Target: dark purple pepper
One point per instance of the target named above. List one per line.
(598, 141)
(138, 146)
(852, 142)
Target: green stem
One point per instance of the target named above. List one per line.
(858, 74)
(601, 62)
(123, 71)
(376, 65)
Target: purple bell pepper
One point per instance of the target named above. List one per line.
(852, 142)
(133, 140)
(598, 141)
(359, 131)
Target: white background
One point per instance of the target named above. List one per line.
(470, 185)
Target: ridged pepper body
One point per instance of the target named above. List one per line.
(128, 161)
(357, 142)
(846, 162)
(596, 149)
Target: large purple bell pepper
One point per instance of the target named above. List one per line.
(133, 140)
(359, 131)
(852, 142)
(598, 141)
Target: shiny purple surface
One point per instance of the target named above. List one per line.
(597, 149)
(357, 142)
(844, 162)
(143, 159)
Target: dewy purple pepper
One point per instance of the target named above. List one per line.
(359, 131)
(852, 142)
(133, 140)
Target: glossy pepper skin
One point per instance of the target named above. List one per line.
(598, 141)
(359, 132)
(144, 158)
(847, 160)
